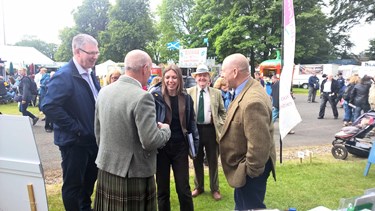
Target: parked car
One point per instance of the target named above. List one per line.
(189, 81)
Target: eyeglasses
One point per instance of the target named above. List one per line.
(94, 53)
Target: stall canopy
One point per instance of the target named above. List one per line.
(102, 69)
(22, 56)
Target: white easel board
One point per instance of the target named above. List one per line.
(20, 165)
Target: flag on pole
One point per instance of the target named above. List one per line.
(205, 40)
(173, 45)
(289, 116)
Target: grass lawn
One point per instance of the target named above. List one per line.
(301, 185)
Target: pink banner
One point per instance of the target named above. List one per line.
(289, 116)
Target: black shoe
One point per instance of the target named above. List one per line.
(336, 117)
(320, 117)
(35, 120)
(48, 130)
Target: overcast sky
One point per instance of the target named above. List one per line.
(45, 18)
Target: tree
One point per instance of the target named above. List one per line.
(130, 27)
(371, 51)
(64, 52)
(347, 13)
(92, 17)
(47, 49)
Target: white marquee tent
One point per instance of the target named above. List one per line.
(21, 56)
(102, 69)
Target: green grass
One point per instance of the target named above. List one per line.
(12, 109)
(300, 91)
(301, 185)
(304, 186)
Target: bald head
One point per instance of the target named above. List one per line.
(235, 69)
(138, 65)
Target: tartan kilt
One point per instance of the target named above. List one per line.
(118, 193)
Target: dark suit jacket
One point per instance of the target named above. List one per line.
(246, 142)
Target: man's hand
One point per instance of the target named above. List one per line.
(162, 125)
(23, 102)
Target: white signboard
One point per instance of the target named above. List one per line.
(190, 58)
(21, 174)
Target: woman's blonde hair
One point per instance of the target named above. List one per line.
(108, 78)
(219, 83)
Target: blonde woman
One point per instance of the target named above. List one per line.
(222, 85)
(113, 76)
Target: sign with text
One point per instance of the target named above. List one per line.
(21, 175)
(191, 58)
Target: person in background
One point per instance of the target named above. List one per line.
(313, 87)
(348, 110)
(128, 140)
(113, 76)
(209, 107)
(222, 85)
(341, 83)
(275, 100)
(24, 88)
(6, 96)
(247, 148)
(70, 103)
(174, 107)
(360, 96)
(328, 92)
(258, 78)
(42, 86)
(48, 126)
(155, 82)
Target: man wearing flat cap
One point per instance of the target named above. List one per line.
(210, 114)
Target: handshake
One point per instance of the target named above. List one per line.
(163, 125)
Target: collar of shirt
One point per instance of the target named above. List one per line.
(80, 69)
(238, 90)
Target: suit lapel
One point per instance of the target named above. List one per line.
(233, 106)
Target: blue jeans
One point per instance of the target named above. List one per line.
(348, 112)
(275, 114)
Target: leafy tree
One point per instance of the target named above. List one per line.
(347, 13)
(92, 16)
(130, 27)
(47, 49)
(64, 52)
(371, 51)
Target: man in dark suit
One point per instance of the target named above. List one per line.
(328, 92)
(209, 129)
(247, 148)
(70, 104)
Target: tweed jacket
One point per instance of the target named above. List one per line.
(217, 107)
(125, 129)
(247, 141)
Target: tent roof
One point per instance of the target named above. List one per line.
(102, 69)
(21, 55)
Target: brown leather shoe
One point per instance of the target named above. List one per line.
(196, 192)
(216, 195)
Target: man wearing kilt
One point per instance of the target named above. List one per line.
(128, 138)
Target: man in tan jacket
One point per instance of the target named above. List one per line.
(209, 125)
(247, 148)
